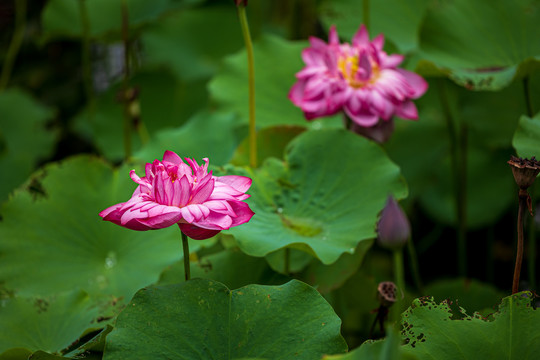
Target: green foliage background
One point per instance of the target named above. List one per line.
(65, 276)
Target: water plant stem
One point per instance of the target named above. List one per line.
(287, 261)
(399, 280)
(85, 54)
(523, 196)
(531, 260)
(15, 44)
(462, 199)
(251, 84)
(414, 266)
(365, 12)
(125, 84)
(458, 153)
(185, 247)
(527, 93)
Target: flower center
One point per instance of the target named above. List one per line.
(357, 71)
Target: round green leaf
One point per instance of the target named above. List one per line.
(513, 333)
(324, 199)
(203, 319)
(490, 38)
(229, 88)
(56, 241)
(15, 354)
(398, 20)
(386, 349)
(45, 323)
(23, 138)
(526, 139)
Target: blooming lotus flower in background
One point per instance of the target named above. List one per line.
(359, 78)
(183, 193)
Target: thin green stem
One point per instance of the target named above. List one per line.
(415, 269)
(532, 231)
(125, 82)
(531, 259)
(462, 199)
(519, 253)
(15, 44)
(251, 83)
(527, 93)
(365, 10)
(399, 279)
(85, 53)
(458, 154)
(287, 261)
(185, 248)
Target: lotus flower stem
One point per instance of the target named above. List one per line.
(527, 92)
(519, 254)
(532, 231)
(15, 44)
(400, 283)
(251, 84)
(185, 247)
(414, 266)
(125, 85)
(287, 261)
(525, 172)
(85, 54)
(458, 152)
(531, 263)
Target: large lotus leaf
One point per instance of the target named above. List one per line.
(206, 134)
(513, 333)
(276, 63)
(171, 42)
(490, 118)
(23, 138)
(386, 349)
(62, 18)
(164, 102)
(526, 139)
(15, 354)
(46, 323)
(324, 199)
(203, 319)
(398, 20)
(483, 36)
(54, 242)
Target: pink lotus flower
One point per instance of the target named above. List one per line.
(359, 78)
(173, 192)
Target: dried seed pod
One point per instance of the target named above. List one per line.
(524, 170)
(386, 293)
